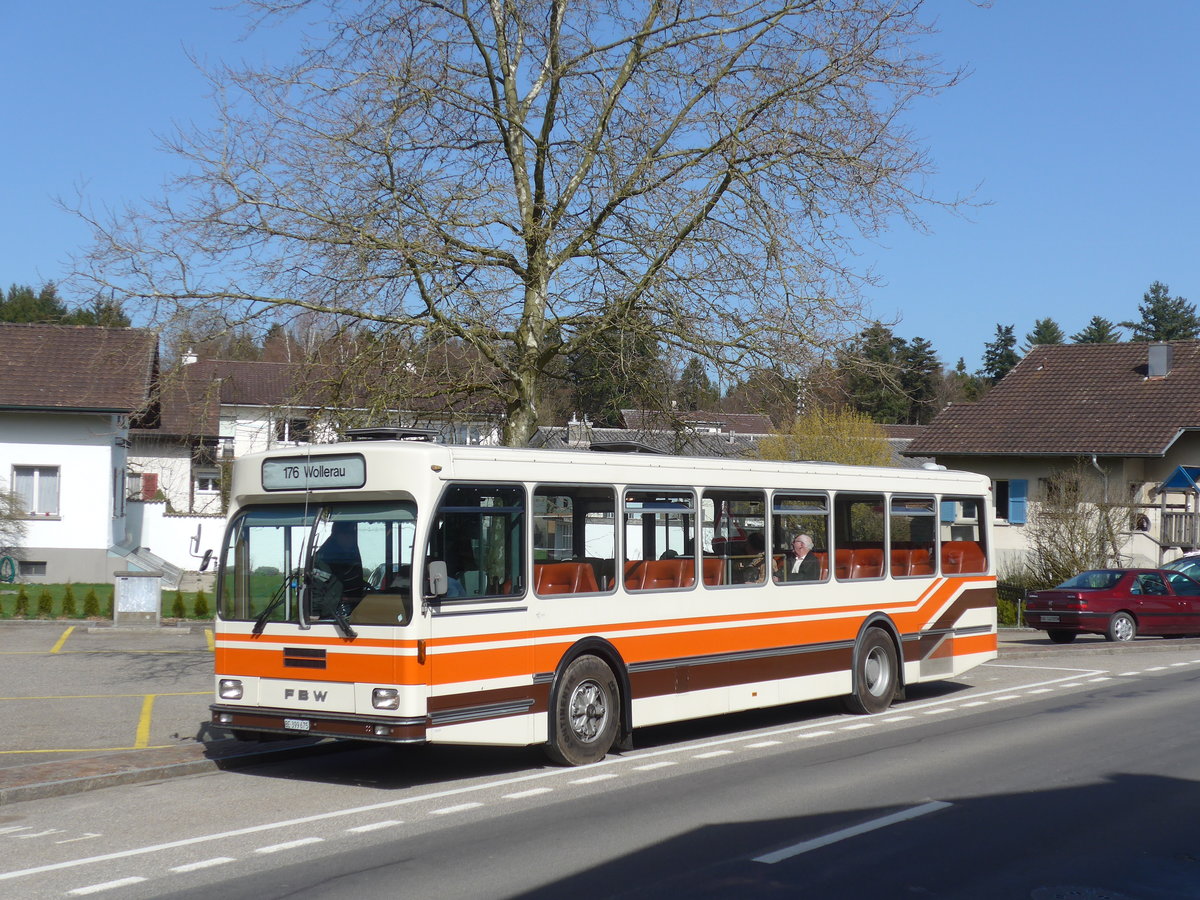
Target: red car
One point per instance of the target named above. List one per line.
(1117, 603)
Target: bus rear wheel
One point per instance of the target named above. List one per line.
(876, 674)
(586, 713)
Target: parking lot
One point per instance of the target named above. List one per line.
(69, 690)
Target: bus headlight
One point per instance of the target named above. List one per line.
(385, 698)
(230, 689)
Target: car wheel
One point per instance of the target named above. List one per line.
(1121, 627)
(876, 674)
(1062, 637)
(586, 713)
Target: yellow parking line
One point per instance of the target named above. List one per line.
(143, 729)
(62, 640)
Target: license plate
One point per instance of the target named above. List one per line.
(1049, 618)
(297, 724)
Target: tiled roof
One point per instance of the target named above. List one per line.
(76, 367)
(742, 423)
(1076, 399)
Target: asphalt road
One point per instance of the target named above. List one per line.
(1063, 774)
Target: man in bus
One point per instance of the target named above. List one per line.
(338, 582)
(800, 564)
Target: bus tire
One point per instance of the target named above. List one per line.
(876, 674)
(587, 710)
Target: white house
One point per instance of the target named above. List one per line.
(68, 396)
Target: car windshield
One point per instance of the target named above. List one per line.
(1188, 565)
(1095, 580)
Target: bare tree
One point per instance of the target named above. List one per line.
(1073, 527)
(520, 176)
(12, 522)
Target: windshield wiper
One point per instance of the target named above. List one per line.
(343, 623)
(280, 593)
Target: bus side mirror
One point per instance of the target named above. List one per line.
(206, 559)
(439, 579)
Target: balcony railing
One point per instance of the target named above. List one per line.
(1181, 529)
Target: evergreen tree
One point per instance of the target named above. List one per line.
(619, 370)
(1098, 331)
(871, 375)
(695, 389)
(20, 303)
(961, 386)
(920, 380)
(1164, 318)
(1045, 331)
(1000, 354)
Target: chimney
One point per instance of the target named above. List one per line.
(1160, 361)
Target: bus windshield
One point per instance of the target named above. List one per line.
(350, 561)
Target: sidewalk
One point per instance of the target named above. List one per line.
(115, 705)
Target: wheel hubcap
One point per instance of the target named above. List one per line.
(876, 671)
(588, 711)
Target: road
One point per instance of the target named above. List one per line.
(1067, 775)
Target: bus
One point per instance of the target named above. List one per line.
(404, 591)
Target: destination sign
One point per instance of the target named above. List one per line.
(314, 473)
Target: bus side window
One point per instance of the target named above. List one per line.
(574, 539)
(660, 539)
(961, 534)
(799, 522)
(733, 525)
(912, 531)
(479, 533)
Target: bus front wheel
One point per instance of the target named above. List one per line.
(586, 713)
(876, 674)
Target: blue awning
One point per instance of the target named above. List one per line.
(1185, 478)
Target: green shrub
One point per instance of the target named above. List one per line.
(201, 608)
(177, 610)
(68, 604)
(91, 605)
(45, 605)
(22, 608)
(109, 612)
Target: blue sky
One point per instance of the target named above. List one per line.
(1078, 128)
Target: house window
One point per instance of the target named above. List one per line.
(208, 481)
(295, 431)
(1010, 500)
(36, 488)
(29, 567)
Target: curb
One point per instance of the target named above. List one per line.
(56, 779)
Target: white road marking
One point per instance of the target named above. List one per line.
(462, 807)
(891, 719)
(857, 726)
(712, 753)
(289, 845)
(106, 886)
(761, 744)
(202, 864)
(813, 734)
(592, 779)
(375, 826)
(661, 764)
(834, 837)
(533, 792)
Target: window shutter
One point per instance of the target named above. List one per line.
(949, 512)
(1018, 492)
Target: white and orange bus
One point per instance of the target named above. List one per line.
(404, 591)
